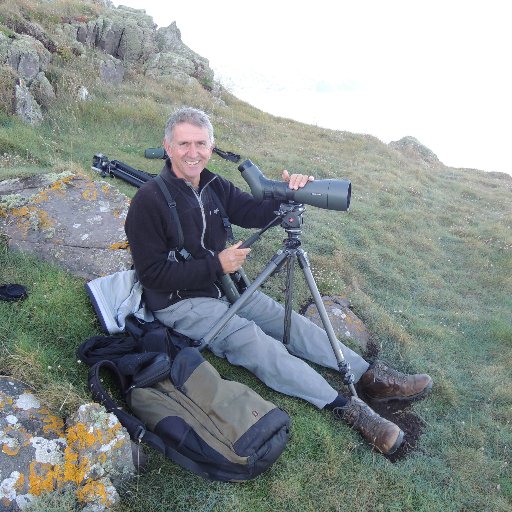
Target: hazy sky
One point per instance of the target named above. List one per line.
(439, 70)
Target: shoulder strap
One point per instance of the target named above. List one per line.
(135, 427)
(225, 219)
(174, 213)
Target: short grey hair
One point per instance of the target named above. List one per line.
(188, 115)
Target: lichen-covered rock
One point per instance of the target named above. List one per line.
(32, 442)
(101, 444)
(414, 150)
(28, 57)
(25, 105)
(126, 34)
(345, 323)
(42, 91)
(90, 456)
(8, 80)
(67, 219)
(112, 70)
(176, 59)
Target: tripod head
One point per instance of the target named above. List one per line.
(291, 215)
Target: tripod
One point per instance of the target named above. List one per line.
(291, 220)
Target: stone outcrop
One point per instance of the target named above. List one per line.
(126, 34)
(28, 59)
(177, 60)
(413, 150)
(67, 219)
(345, 323)
(88, 456)
(130, 36)
(119, 39)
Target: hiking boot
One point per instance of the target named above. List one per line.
(382, 383)
(384, 435)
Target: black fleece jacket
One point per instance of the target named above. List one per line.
(153, 236)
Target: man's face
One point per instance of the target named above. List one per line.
(189, 150)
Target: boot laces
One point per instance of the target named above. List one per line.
(359, 415)
(384, 371)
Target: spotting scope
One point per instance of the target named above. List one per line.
(330, 194)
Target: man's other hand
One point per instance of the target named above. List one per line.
(296, 181)
(232, 258)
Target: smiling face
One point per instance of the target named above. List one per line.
(190, 150)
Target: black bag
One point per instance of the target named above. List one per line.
(217, 428)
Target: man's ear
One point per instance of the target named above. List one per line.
(167, 147)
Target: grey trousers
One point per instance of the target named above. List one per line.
(252, 339)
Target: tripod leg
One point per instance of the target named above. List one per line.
(343, 365)
(288, 299)
(274, 264)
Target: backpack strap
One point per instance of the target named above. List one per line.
(135, 427)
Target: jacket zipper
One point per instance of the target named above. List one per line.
(201, 206)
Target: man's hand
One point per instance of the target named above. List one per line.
(296, 181)
(232, 258)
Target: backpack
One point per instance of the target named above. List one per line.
(180, 405)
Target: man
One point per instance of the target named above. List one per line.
(185, 295)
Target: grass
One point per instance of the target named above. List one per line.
(424, 255)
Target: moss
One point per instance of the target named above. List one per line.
(11, 201)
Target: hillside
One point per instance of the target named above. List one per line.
(424, 255)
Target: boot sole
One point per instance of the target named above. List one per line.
(412, 398)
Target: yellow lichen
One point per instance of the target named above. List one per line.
(90, 194)
(5, 400)
(20, 212)
(11, 450)
(41, 478)
(31, 217)
(80, 436)
(72, 470)
(118, 246)
(20, 482)
(53, 424)
(94, 491)
(41, 196)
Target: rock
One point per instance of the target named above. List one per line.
(126, 34)
(414, 150)
(26, 107)
(29, 28)
(33, 444)
(176, 59)
(102, 447)
(67, 219)
(28, 57)
(344, 322)
(82, 94)
(112, 71)
(8, 81)
(39, 455)
(42, 91)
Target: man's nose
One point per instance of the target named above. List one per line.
(193, 149)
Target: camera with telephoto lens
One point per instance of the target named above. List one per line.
(329, 194)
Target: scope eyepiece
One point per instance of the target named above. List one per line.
(329, 194)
